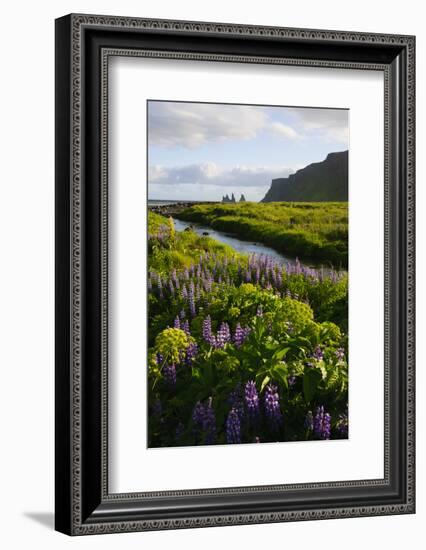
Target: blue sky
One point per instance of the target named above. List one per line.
(201, 151)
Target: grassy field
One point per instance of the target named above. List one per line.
(310, 231)
(171, 250)
(241, 349)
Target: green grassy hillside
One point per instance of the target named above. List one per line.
(315, 231)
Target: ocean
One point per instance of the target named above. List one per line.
(156, 202)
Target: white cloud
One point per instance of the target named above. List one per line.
(329, 124)
(280, 129)
(193, 124)
(209, 173)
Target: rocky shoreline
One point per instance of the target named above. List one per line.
(173, 209)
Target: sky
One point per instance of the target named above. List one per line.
(202, 151)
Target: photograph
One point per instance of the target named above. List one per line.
(234, 273)
(247, 275)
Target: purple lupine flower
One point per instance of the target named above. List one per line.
(191, 353)
(340, 354)
(160, 286)
(309, 421)
(272, 406)
(175, 279)
(233, 427)
(259, 311)
(204, 420)
(169, 373)
(235, 400)
(171, 288)
(206, 282)
(209, 423)
(198, 414)
(318, 354)
(184, 292)
(240, 335)
(291, 381)
(223, 335)
(342, 426)
(182, 314)
(207, 331)
(252, 400)
(191, 299)
(176, 323)
(185, 327)
(322, 424)
(298, 269)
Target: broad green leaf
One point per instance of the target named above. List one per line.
(260, 375)
(280, 354)
(265, 381)
(310, 384)
(281, 374)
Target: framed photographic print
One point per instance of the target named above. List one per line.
(234, 274)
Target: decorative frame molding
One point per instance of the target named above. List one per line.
(84, 43)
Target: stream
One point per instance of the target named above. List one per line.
(244, 247)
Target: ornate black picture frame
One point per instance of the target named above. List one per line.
(84, 44)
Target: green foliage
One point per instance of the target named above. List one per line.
(155, 221)
(168, 250)
(295, 339)
(311, 381)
